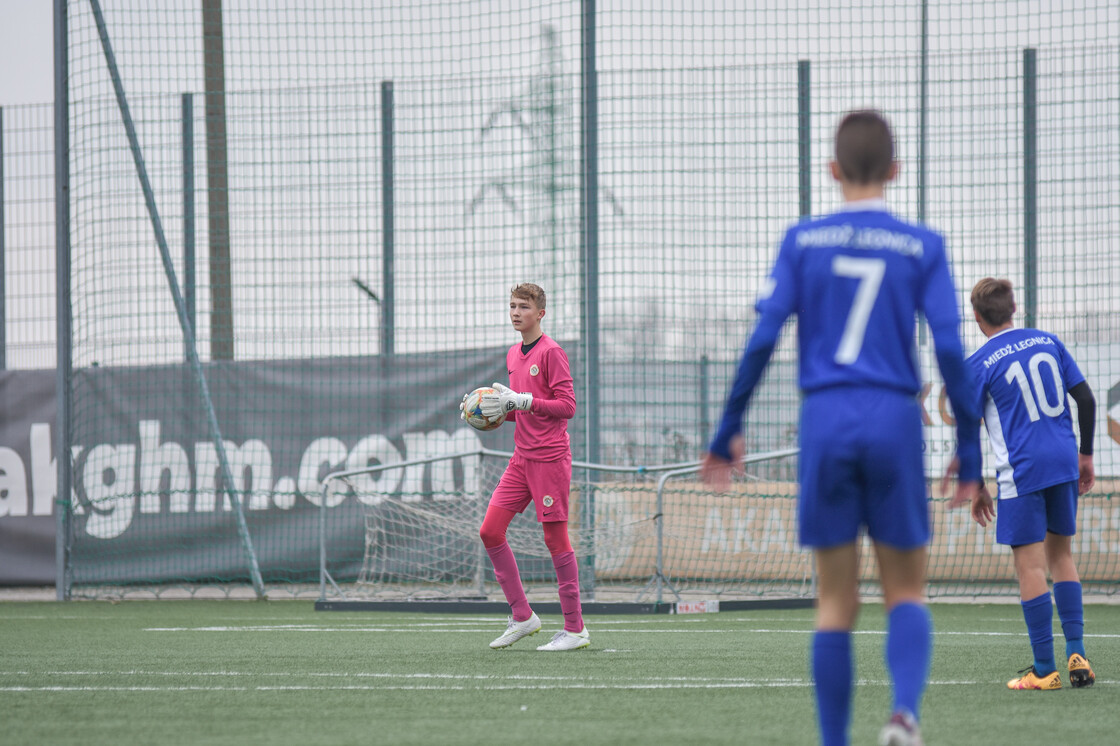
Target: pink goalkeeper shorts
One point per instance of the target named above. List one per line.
(544, 483)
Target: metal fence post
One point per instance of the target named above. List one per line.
(804, 141)
(188, 222)
(62, 299)
(388, 296)
(3, 274)
(1030, 186)
(589, 246)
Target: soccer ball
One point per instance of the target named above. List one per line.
(472, 410)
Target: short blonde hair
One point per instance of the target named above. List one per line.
(530, 292)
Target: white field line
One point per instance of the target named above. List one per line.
(412, 674)
(425, 682)
(446, 622)
(412, 688)
(437, 628)
(385, 681)
(477, 687)
(456, 684)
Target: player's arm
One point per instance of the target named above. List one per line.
(776, 302)
(562, 402)
(757, 354)
(728, 446)
(939, 303)
(982, 508)
(1082, 396)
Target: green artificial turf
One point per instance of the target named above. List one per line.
(203, 672)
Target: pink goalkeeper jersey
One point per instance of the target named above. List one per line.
(541, 433)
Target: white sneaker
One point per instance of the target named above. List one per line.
(565, 640)
(902, 730)
(516, 630)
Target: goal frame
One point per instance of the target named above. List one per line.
(333, 597)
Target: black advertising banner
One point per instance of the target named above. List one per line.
(148, 503)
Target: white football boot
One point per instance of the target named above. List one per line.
(901, 730)
(516, 630)
(565, 640)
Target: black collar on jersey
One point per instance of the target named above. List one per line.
(525, 348)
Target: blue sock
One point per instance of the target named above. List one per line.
(909, 634)
(1039, 614)
(832, 675)
(1067, 597)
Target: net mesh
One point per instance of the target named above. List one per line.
(335, 333)
(634, 541)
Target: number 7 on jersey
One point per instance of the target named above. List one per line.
(869, 272)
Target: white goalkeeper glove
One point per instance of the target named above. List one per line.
(505, 400)
(462, 407)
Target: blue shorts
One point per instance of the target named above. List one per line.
(1026, 519)
(861, 465)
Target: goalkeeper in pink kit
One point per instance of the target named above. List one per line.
(540, 399)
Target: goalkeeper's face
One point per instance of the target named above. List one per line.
(524, 315)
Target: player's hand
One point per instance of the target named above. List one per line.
(462, 404)
(950, 473)
(983, 509)
(716, 471)
(1086, 476)
(504, 401)
(965, 492)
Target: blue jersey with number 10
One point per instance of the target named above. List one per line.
(1024, 375)
(856, 279)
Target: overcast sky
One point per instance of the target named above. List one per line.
(26, 68)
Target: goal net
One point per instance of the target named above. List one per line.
(639, 535)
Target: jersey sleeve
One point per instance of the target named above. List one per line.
(562, 405)
(777, 300)
(1071, 374)
(980, 388)
(939, 304)
(779, 296)
(512, 414)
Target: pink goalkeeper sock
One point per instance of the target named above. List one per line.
(509, 578)
(567, 576)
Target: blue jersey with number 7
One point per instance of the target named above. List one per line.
(1024, 375)
(856, 279)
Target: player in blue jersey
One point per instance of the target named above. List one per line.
(1024, 375)
(856, 280)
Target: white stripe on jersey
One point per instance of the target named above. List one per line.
(1005, 474)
